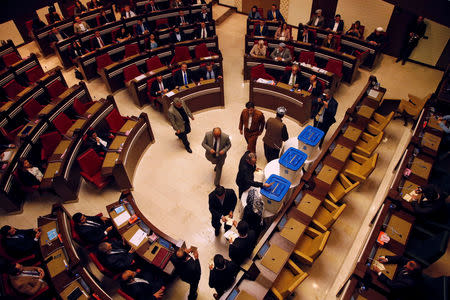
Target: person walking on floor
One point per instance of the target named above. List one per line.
(276, 134)
(179, 115)
(251, 124)
(216, 144)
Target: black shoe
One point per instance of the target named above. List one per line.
(397, 60)
(215, 168)
(188, 149)
(217, 232)
(403, 62)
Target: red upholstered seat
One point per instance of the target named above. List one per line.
(261, 11)
(291, 49)
(97, 18)
(324, 85)
(259, 71)
(26, 188)
(56, 88)
(47, 17)
(130, 72)
(31, 108)
(102, 268)
(62, 123)
(5, 254)
(29, 25)
(11, 292)
(202, 51)
(334, 66)
(11, 135)
(115, 120)
(91, 166)
(131, 49)
(114, 34)
(124, 295)
(70, 11)
(103, 61)
(151, 99)
(307, 57)
(10, 58)
(162, 23)
(91, 43)
(80, 107)
(153, 63)
(181, 54)
(12, 88)
(49, 142)
(337, 39)
(34, 74)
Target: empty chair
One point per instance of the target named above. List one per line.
(62, 123)
(341, 187)
(378, 123)
(12, 88)
(288, 280)
(153, 63)
(49, 142)
(11, 58)
(91, 166)
(162, 23)
(115, 120)
(368, 143)
(32, 108)
(307, 57)
(70, 11)
(411, 108)
(34, 74)
(56, 88)
(11, 135)
(131, 49)
(360, 167)
(310, 245)
(259, 71)
(80, 107)
(326, 215)
(130, 72)
(334, 66)
(201, 50)
(181, 54)
(103, 61)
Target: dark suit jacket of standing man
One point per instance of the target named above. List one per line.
(256, 128)
(328, 114)
(245, 177)
(178, 79)
(241, 248)
(119, 259)
(217, 209)
(260, 32)
(92, 233)
(154, 89)
(188, 269)
(21, 244)
(221, 280)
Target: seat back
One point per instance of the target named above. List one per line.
(98, 264)
(291, 49)
(12, 88)
(347, 184)
(31, 108)
(131, 72)
(149, 87)
(369, 165)
(47, 17)
(11, 136)
(259, 71)
(70, 11)
(89, 162)
(124, 295)
(97, 19)
(380, 123)
(288, 280)
(371, 143)
(162, 23)
(334, 66)
(153, 63)
(307, 57)
(131, 49)
(49, 142)
(413, 106)
(34, 74)
(318, 244)
(56, 88)
(29, 25)
(62, 123)
(201, 51)
(115, 120)
(181, 54)
(337, 191)
(103, 61)
(337, 39)
(80, 107)
(10, 58)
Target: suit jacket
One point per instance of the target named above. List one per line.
(117, 262)
(189, 270)
(198, 32)
(21, 244)
(92, 234)
(139, 30)
(178, 79)
(217, 209)
(142, 290)
(223, 279)
(77, 28)
(258, 121)
(208, 144)
(313, 20)
(53, 37)
(245, 177)
(241, 248)
(91, 5)
(75, 52)
(277, 13)
(174, 38)
(131, 14)
(329, 112)
(287, 76)
(175, 117)
(96, 43)
(259, 32)
(149, 7)
(187, 19)
(255, 16)
(340, 26)
(203, 18)
(92, 143)
(285, 54)
(317, 91)
(331, 45)
(28, 285)
(154, 89)
(215, 70)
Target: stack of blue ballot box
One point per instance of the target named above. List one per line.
(309, 139)
(291, 163)
(276, 194)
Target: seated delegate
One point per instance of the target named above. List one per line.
(259, 49)
(282, 53)
(20, 243)
(283, 33)
(254, 14)
(92, 229)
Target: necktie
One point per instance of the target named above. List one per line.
(117, 251)
(161, 86)
(215, 145)
(153, 8)
(310, 88)
(128, 14)
(185, 78)
(320, 114)
(305, 38)
(101, 42)
(292, 79)
(142, 28)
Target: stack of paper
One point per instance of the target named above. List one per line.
(122, 218)
(138, 237)
(373, 93)
(265, 81)
(231, 234)
(170, 94)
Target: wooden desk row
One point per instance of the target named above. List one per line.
(7, 48)
(350, 63)
(17, 71)
(272, 26)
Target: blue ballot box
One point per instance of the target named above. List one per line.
(274, 195)
(290, 164)
(309, 139)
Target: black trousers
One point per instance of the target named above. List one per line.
(271, 153)
(215, 222)
(183, 135)
(407, 49)
(193, 287)
(324, 128)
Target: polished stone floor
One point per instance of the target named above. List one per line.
(171, 186)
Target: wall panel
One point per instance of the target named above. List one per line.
(299, 11)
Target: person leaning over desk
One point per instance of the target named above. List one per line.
(246, 177)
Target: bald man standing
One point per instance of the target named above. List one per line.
(216, 144)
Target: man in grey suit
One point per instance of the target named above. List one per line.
(216, 144)
(179, 114)
(281, 53)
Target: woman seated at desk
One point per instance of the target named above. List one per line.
(356, 30)
(93, 4)
(329, 42)
(283, 33)
(152, 42)
(79, 8)
(28, 174)
(123, 35)
(76, 50)
(259, 49)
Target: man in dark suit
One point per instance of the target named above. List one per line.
(141, 27)
(100, 145)
(221, 275)
(337, 25)
(216, 144)
(317, 19)
(416, 30)
(274, 14)
(20, 243)
(245, 177)
(406, 283)
(182, 19)
(98, 41)
(261, 29)
(151, 6)
(183, 76)
(327, 108)
(92, 229)
(210, 72)
(56, 35)
(292, 78)
(160, 86)
(203, 16)
(241, 248)
(177, 35)
(222, 202)
(188, 268)
(142, 286)
(202, 31)
(313, 85)
(115, 256)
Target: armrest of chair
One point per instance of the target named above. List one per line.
(377, 117)
(373, 129)
(339, 211)
(359, 158)
(330, 206)
(354, 176)
(276, 293)
(312, 232)
(348, 185)
(298, 281)
(319, 225)
(303, 258)
(324, 241)
(333, 198)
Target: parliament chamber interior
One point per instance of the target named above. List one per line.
(316, 131)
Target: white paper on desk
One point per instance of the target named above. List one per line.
(6, 155)
(140, 77)
(138, 237)
(122, 218)
(170, 94)
(323, 71)
(265, 81)
(230, 234)
(315, 69)
(373, 93)
(379, 265)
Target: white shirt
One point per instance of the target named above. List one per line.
(36, 173)
(292, 79)
(129, 14)
(59, 36)
(100, 42)
(217, 146)
(204, 33)
(82, 27)
(336, 25)
(161, 86)
(102, 142)
(250, 117)
(316, 21)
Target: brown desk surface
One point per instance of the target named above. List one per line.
(421, 168)
(57, 265)
(62, 146)
(243, 295)
(127, 235)
(76, 125)
(327, 174)
(275, 258)
(7, 105)
(408, 187)
(129, 124)
(309, 204)
(431, 141)
(110, 159)
(365, 111)
(46, 109)
(352, 133)
(433, 123)
(117, 142)
(113, 215)
(341, 152)
(390, 268)
(94, 108)
(70, 288)
(398, 229)
(51, 170)
(292, 230)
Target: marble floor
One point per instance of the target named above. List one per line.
(171, 186)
